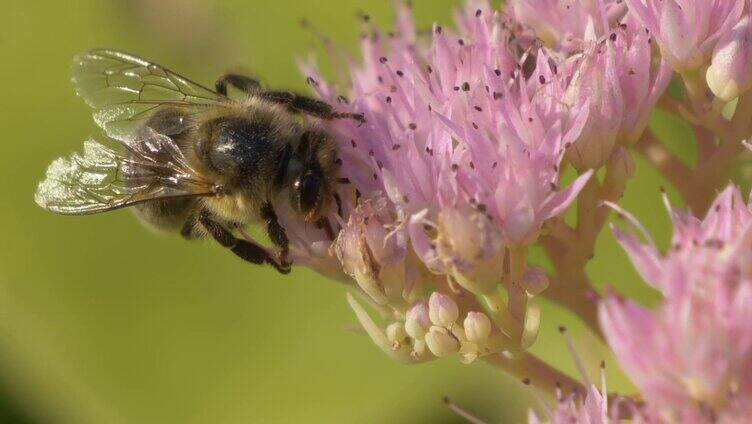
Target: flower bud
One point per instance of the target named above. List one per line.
(594, 86)
(371, 254)
(477, 326)
(396, 333)
(440, 342)
(535, 280)
(643, 80)
(730, 73)
(686, 30)
(442, 310)
(417, 321)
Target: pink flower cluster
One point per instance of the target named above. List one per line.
(467, 133)
(460, 168)
(692, 356)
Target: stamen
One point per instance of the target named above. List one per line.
(575, 356)
(631, 219)
(543, 405)
(461, 412)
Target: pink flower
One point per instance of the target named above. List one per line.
(725, 230)
(691, 358)
(461, 146)
(641, 81)
(593, 410)
(372, 250)
(563, 24)
(591, 407)
(595, 84)
(615, 78)
(687, 30)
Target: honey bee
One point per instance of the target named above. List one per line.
(193, 160)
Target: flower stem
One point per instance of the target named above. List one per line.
(531, 370)
(517, 295)
(571, 287)
(577, 295)
(670, 166)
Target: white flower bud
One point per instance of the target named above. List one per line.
(440, 342)
(442, 310)
(477, 326)
(396, 334)
(417, 321)
(730, 73)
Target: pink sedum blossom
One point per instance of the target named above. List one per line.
(595, 84)
(593, 410)
(373, 252)
(641, 81)
(615, 78)
(691, 358)
(464, 149)
(687, 30)
(723, 232)
(563, 24)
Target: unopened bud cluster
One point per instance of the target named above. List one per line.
(438, 327)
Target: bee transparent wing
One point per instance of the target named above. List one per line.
(126, 91)
(146, 167)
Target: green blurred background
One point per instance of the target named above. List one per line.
(102, 321)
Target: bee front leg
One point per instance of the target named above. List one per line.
(244, 249)
(276, 232)
(308, 105)
(244, 83)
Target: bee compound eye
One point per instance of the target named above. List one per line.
(309, 193)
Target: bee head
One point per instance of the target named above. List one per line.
(312, 178)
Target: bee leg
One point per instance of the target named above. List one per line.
(241, 82)
(276, 232)
(188, 229)
(309, 106)
(244, 249)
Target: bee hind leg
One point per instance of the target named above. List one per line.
(245, 249)
(308, 105)
(241, 82)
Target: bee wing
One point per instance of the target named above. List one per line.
(125, 91)
(145, 167)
